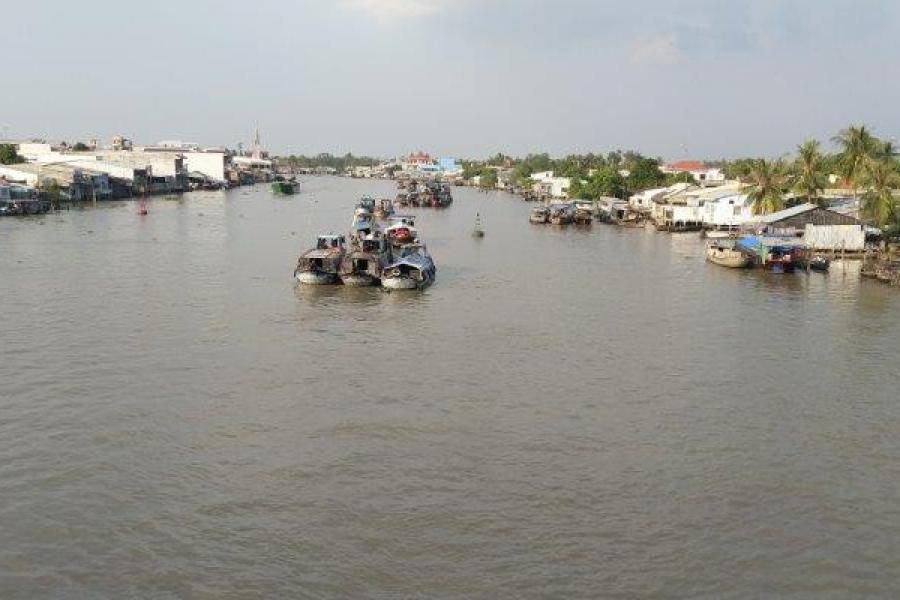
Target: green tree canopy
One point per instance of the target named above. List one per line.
(8, 155)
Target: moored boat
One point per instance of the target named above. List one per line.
(321, 265)
(539, 215)
(778, 255)
(402, 230)
(561, 214)
(384, 208)
(726, 255)
(584, 213)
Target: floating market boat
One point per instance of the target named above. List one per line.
(283, 188)
(367, 204)
(384, 208)
(584, 213)
(321, 265)
(540, 215)
(402, 230)
(561, 214)
(414, 269)
(725, 254)
(365, 261)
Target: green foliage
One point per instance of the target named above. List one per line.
(879, 204)
(8, 155)
(858, 147)
(80, 147)
(683, 177)
(809, 177)
(644, 174)
(767, 183)
(340, 163)
(52, 191)
(488, 178)
(604, 182)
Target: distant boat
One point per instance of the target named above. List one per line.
(562, 214)
(384, 208)
(283, 188)
(725, 255)
(402, 230)
(321, 265)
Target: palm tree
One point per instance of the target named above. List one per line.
(858, 146)
(878, 202)
(767, 182)
(810, 180)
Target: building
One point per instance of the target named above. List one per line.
(75, 184)
(820, 228)
(642, 202)
(701, 173)
(727, 212)
(547, 184)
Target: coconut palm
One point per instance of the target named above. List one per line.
(879, 204)
(807, 168)
(767, 181)
(858, 146)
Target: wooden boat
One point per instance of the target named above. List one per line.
(779, 255)
(402, 230)
(584, 213)
(726, 255)
(364, 262)
(414, 269)
(539, 215)
(561, 214)
(283, 188)
(819, 263)
(384, 208)
(321, 265)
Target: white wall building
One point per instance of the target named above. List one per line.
(731, 211)
(556, 187)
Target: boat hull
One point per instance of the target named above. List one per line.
(401, 283)
(359, 280)
(315, 278)
(730, 259)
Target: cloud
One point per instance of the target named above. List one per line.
(390, 10)
(656, 50)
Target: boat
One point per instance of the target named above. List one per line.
(584, 213)
(561, 214)
(414, 269)
(283, 188)
(726, 255)
(819, 263)
(384, 208)
(778, 255)
(540, 215)
(363, 264)
(478, 231)
(321, 265)
(366, 203)
(402, 230)
(401, 200)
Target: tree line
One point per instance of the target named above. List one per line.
(339, 163)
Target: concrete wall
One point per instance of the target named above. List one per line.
(211, 164)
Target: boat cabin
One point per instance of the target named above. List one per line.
(330, 242)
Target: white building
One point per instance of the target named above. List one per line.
(730, 211)
(555, 187)
(643, 201)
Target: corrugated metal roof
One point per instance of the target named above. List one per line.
(786, 213)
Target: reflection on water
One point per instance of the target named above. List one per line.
(566, 410)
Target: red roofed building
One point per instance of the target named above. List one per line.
(418, 159)
(702, 174)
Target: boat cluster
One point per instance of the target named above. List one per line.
(776, 254)
(383, 248)
(578, 212)
(432, 194)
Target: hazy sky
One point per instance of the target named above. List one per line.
(704, 78)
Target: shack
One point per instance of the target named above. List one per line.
(820, 228)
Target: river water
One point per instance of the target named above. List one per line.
(565, 414)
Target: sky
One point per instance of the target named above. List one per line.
(465, 78)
